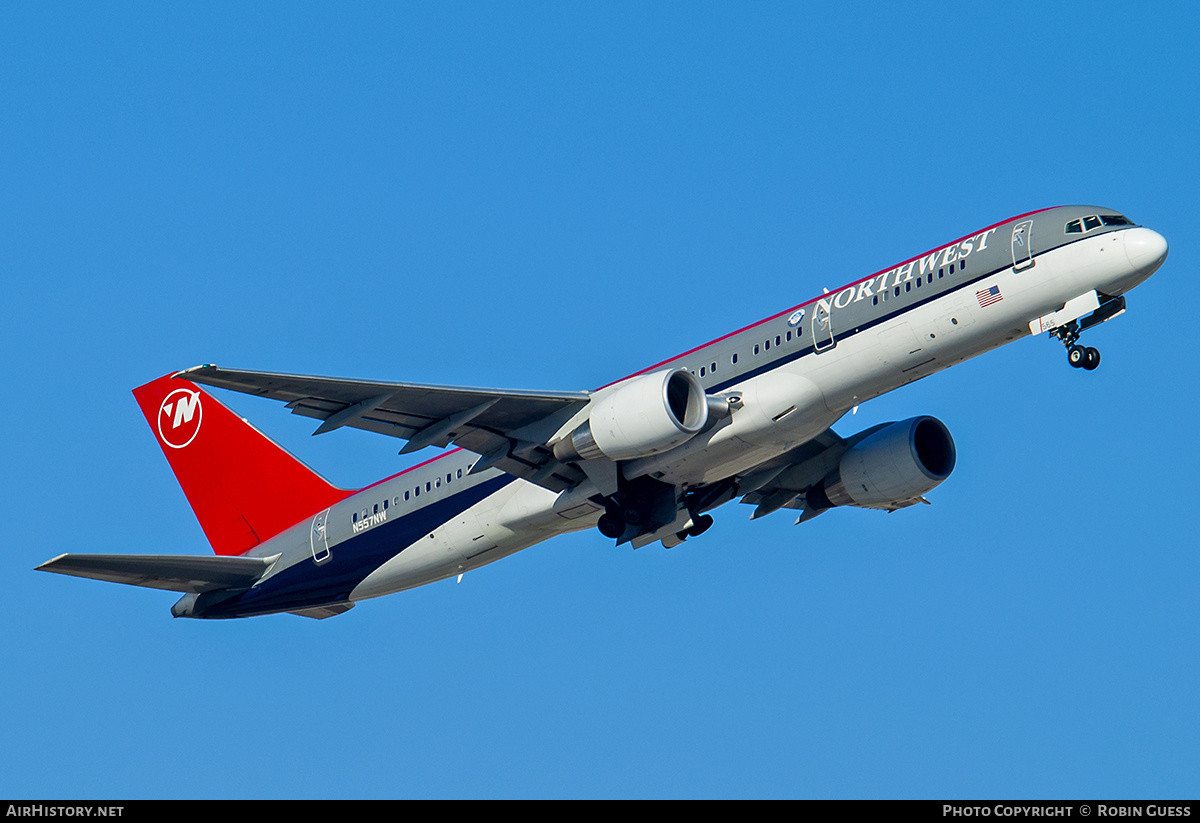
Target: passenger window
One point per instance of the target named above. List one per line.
(778, 342)
(460, 474)
(734, 360)
(756, 348)
(354, 519)
(406, 495)
(767, 345)
(701, 371)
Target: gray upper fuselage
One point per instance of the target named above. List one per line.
(873, 300)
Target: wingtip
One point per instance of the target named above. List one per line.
(194, 370)
(45, 567)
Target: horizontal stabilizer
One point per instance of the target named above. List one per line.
(172, 572)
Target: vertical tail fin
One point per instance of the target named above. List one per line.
(243, 488)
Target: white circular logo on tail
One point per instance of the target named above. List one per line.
(179, 418)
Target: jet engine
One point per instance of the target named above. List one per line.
(644, 415)
(890, 468)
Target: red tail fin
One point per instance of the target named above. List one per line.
(243, 488)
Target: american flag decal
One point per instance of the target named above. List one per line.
(989, 296)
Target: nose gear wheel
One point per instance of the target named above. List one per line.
(1080, 357)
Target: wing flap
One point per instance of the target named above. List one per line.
(176, 573)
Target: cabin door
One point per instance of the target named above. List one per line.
(822, 328)
(319, 537)
(1022, 247)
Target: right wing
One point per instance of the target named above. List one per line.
(788, 481)
(782, 483)
(508, 428)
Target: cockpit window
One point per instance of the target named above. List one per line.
(1094, 221)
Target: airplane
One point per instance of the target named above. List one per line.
(643, 459)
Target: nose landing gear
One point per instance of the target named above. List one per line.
(1068, 330)
(1080, 357)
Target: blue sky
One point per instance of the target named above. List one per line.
(551, 196)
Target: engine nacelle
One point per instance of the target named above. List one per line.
(644, 415)
(890, 468)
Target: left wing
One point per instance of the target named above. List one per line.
(508, 428)
(176, 573)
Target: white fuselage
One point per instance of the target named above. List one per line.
(779, 409)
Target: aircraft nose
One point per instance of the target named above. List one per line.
(1146, 250)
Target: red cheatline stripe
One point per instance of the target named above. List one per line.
(834, 291)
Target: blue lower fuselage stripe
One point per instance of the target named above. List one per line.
(305, 584)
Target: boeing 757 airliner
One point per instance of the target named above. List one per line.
(643, 459)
